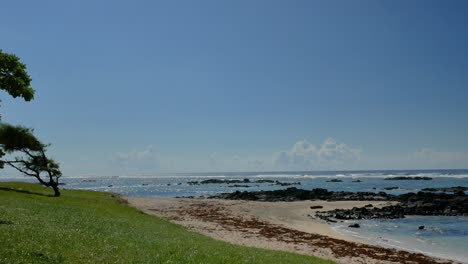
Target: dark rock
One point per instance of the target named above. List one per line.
(357, 180)
(455, 189)
(355, 225)
(193, 183)
(294, 194)
(368, 205)
(264, 181)
(421, 203)
(391, 188)
(421, 227)
(218, 181)
(223, 181)
(239, 186)
(286, 183)
(335, 180)
(404, 178)
(316, 207)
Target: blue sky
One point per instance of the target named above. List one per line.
(141, 87)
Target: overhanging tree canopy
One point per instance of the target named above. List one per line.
(13, 77)
(30, 154)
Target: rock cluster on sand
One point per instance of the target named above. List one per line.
(316, 207)
(295, 194)
(421, 203)
(455, 189)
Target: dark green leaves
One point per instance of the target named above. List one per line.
(19, 139)
(15, 138)
(13, 77)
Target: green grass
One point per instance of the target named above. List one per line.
(93, 227)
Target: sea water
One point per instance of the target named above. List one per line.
(445, 237)
(172, 185)
(442, 236)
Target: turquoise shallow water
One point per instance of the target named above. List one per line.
(445, 237)
(442, 236)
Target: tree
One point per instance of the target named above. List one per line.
(31, 159)
(13, 77)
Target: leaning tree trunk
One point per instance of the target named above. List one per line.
(56, 190)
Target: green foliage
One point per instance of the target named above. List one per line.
(15, 138)
(33, 161)
(94, 227)
(13, 77)
(18, 139)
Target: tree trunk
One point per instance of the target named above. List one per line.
(56, 190)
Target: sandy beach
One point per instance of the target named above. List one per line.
(288, 226)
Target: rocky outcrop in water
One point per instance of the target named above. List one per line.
(223, 181)
(405, 178)
(421, 203)
(218, 181)
(335, 180)
(239, 186)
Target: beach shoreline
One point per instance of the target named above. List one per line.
(287, 226)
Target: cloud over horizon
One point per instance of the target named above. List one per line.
(138, 161)
(330, 155)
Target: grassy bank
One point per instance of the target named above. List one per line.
(94, 227)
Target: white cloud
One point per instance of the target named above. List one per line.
(302, 155)
(330, 155)
(138, 161)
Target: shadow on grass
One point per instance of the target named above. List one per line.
(24, 191)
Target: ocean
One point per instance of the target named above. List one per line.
(445, 237)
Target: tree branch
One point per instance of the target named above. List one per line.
(37, 176)
(27, 153)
